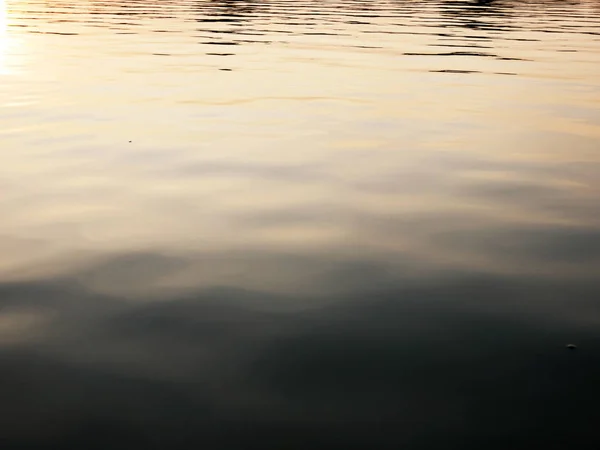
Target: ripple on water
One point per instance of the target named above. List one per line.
(299, 224)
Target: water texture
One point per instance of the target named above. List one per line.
(299, 224)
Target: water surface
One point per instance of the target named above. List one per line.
(299, 224)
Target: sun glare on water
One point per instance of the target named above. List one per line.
(4, 37)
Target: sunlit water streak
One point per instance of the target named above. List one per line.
(3, 36)
(299, 224)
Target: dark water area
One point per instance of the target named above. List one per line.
(299, 224)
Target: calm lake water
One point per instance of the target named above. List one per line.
(299, 224)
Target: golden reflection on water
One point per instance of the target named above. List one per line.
(3, 36)
(299, 224)
(340, 139)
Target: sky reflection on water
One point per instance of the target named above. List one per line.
(295, 225)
